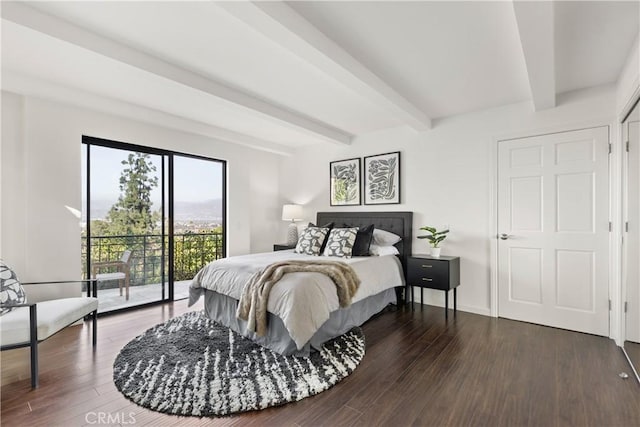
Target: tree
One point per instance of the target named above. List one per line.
(132, 213)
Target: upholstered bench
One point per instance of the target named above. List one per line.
(24, 324)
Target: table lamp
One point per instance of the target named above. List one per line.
(292, 213)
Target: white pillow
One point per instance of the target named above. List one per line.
(377, 250)
(384, 238)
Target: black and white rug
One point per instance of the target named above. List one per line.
(191, 365)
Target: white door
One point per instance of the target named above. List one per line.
(553, 230)
(632, 236)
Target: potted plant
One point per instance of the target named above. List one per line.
(434, 237)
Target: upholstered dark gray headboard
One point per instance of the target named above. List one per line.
(400, 223)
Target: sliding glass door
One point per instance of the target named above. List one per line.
(152, 219)
(198, 217)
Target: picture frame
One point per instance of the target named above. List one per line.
(382, 179)
(345, 182)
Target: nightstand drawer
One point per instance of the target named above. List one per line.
(429, 266)
(429, 279)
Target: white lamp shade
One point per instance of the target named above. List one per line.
(291, 213)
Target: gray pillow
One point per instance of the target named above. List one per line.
(311, 240)
(11, 290)
(340, 242)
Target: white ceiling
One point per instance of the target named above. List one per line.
(277, 76)
(446, 58)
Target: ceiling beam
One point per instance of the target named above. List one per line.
(284, 26)
(71, 33)
(38, 88)
(536, 27)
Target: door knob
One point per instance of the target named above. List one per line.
(504, 236)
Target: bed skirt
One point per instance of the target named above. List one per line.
(222, 309)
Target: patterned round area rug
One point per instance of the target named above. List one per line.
(191, 365)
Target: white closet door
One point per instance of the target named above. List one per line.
(553, 220)
(632, 236)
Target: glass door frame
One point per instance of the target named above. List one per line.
(167, 196)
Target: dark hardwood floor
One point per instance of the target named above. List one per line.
(633, 351)
(418, 370)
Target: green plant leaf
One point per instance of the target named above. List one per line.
(434, 236)
(429, 229)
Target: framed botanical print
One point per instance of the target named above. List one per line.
(382, 179)
(344, 180)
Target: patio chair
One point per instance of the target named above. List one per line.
(25, 324)
(121, 275)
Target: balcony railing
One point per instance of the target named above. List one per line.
(192, 251)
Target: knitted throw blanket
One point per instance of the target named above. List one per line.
(255, 294)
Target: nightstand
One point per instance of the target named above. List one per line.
(441, 273)
(282, 247)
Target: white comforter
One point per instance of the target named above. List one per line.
(303, 301)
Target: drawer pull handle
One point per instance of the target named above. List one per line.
(426, 266)
(427, 280)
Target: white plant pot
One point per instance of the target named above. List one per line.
(435, 252)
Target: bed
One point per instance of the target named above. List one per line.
(302, 318)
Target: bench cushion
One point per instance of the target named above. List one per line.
(53, 315)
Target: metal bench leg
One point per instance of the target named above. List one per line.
(33, 335)
(94, 319)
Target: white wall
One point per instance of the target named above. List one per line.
(447, 176)
(629, 80)
(12, 181)
(41, 157)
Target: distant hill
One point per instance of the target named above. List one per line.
(205, 210)
(208, 210)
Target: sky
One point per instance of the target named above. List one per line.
(195, 179)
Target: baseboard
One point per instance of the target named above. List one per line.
(436, 298)
(475, 310)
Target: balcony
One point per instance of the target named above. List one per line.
(149, 265)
